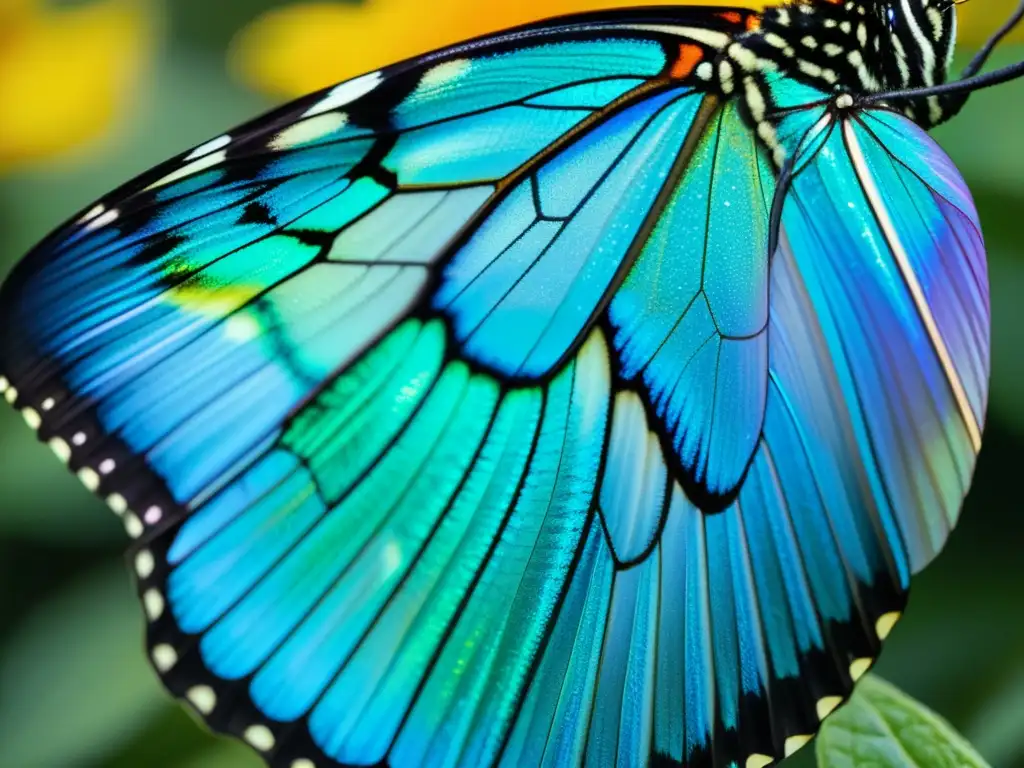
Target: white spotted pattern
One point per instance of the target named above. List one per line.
(211, 146)
(164, 657)
(346, 93)
(145, 564)
(203, 698)
(260, 737)
(153, 602)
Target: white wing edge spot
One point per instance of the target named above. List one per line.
(32, 418)
(211, 146)
(303, 762)
(858, 668)
(795, 743)
(208, 161)
(10, 394)
(885, 624)
(827, 705)
(118, 504)
(203, 698)
(133, 526)
(61, 449)
(145, 564)
(153, 602)
(164, 657)
(153, 515)
(442, 74)
(89, 478)
(92, 213)
(307, 131)
(346, 93)
(914, 286)
(260, 737)
(716, 40)
(758, 761)
(102, 221)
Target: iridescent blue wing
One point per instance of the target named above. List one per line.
(419, 395)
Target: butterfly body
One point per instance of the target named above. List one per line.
(466, 413)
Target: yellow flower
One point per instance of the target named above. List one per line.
(66, 73)
(309, 45)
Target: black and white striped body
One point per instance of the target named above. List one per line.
(844, 48)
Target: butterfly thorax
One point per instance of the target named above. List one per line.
(853, 47)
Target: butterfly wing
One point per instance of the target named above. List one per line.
(407, 488)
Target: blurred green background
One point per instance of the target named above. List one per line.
(92, 93)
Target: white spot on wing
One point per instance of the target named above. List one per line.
(117, 503)
(858, 667)
(443, 74)
(215, 158)
(203, 698)
(32, 418)
(133, 525)
(89, 478)
(796, 743)
(10, 394)
(345, 93)
(47, 404)
(710, 38)
(164, 657)
(260, 737)
(885, 624)
(211, 146)
(307, 131)
(827, 705)
(92, 213)
(758, 761)
(102, 221)
(61, 449)
(153, 602)
(153, 515)
(145, 564)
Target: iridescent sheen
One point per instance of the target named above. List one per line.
(464, 419)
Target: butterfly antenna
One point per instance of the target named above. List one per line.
(965, 85)
(986, 50)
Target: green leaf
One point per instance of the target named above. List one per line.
(229, 754)
(881, 727)
(74, 683)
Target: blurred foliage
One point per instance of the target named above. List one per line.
(67, 72)
(74, 688)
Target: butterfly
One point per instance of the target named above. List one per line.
(583, 394)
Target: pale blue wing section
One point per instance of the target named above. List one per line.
(690, 316)
(524, 288)
(897, 281)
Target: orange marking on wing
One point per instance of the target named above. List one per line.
(689, 57)
(753, 22)
(733, 17)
